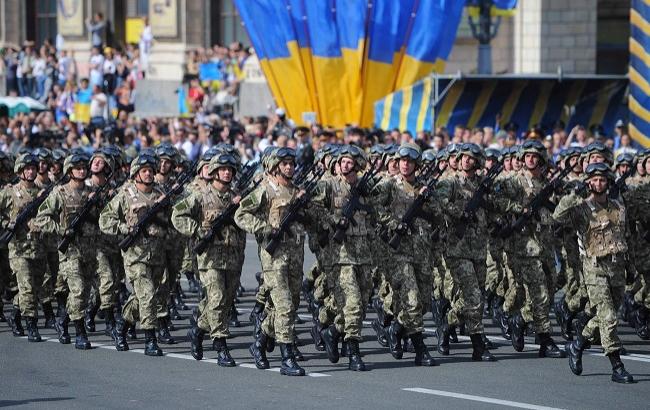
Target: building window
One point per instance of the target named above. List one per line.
(45, 20)
(230, 27)
(137, 8)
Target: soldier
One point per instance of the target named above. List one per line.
(219, 264)
(528, 247)
(350, 277)
(77, 264)
(7, 278)
(260, 214)
(143, 261)
(26, 252)
(393, 197)
(466, 252)
(601, 224)
(46, 296)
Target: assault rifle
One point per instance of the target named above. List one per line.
(80, 216)
(28, 212)
(538, 202)
(415, 209)
(164, 202)
(619, 186)
(477, 199)
(295, 206)
(303, 173)
(353, 203)
(225, 218)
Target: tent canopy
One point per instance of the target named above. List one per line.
(477, 100)
(14, 105)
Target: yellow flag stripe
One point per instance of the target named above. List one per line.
(638, 136)
(388, 105)
(572, 98)
(541, 103)
(638, 80)
(481, 103)
(424, 104)
(513, 99)
(451, 99)
(407, 96)
(602, 102)
(637, 19)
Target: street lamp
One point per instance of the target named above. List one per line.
(484, 31)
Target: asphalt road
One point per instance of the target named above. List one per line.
(50, 375)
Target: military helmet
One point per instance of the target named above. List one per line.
(58, 155)
(167, 151)
(266, 155)
(142, 161)
(493, 153)
(625, 158)
(471, 150)
(377, 150)
(109, 161)
(506, 152)
(389, 152)
(24, 160)
(642, 156)
(599, 169)
(6, 161)
(452, 149)
(533, 147)
(73, 160)
(428, 156)
(43, 154)
(442, 155)
(280, 155)
(599, 148)
(353, 152)
(223, 160)
(409, 151)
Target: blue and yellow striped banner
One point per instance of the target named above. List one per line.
(337, 57)
(639, 72)
(527, 102)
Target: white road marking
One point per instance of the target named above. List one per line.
(481, 399)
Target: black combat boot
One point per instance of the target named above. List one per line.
(91, 312)
(574, 352)
(480, 352)
(487, 305)
(163, 331)
(453, 336)
(233, 321)
(548, 348)
(407, 344)
(48, 313)
(194, 318)
(32, 330)
(131, 332)
(258, 351)
(486, 342)
(518, 329)
(119, 335)
(435, 312)
(564, 319)
(178, 297)
(61, 326)
(315, 335)
(81, 338)
(256, 317)
(289, 365)
(172, 309)
(297, 353)
(356, 363)
(395, 333)
(195, 336)
(109, 320)
(442, 333)
(2, 311)
(61, 299)
(330, 338)
(497, 309)
(380, 331)
(504, 326)
(223, 354)
(422, 356)
(15, 322)
(639, 320)
(151, 343)
(192, 282)
(619, 374)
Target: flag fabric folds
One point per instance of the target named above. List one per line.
(639, 72)
(527, 102)
(335, 58)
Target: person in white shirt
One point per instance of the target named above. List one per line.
(145, 43)
(98, 107)
(96, 67)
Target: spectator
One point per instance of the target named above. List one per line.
(96, 65)
(98, 107)
(25, 71)
(96, 28)
(145, 43)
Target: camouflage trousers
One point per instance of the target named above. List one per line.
(284, 290)
(352, 285)
(29, 277)
(407, 302)
(220, 291)
(642, 295)
(605, 283)
(7, 278)
(145, 302)
(108, 267)
(575, 292)
(79, 274)
(495, 278)
(51, 274)
(530, 286)
(469, 276)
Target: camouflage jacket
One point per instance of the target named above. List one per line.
(24, 244)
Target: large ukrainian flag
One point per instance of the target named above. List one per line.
(337, 57)
(639, 99)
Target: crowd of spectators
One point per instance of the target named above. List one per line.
(212, 77)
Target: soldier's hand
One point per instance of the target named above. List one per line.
(401, 229)
(236, 199)
(301, 193)
(343, 223)
(423, 190)
(11, 226)
(92, 195)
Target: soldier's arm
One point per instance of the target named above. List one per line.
(5, 208)
(507, 195)
(112, 220)
(381, 198)
(48, 218)
(566, 210)
(321, 204)
(247, 217)
(184, 215)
